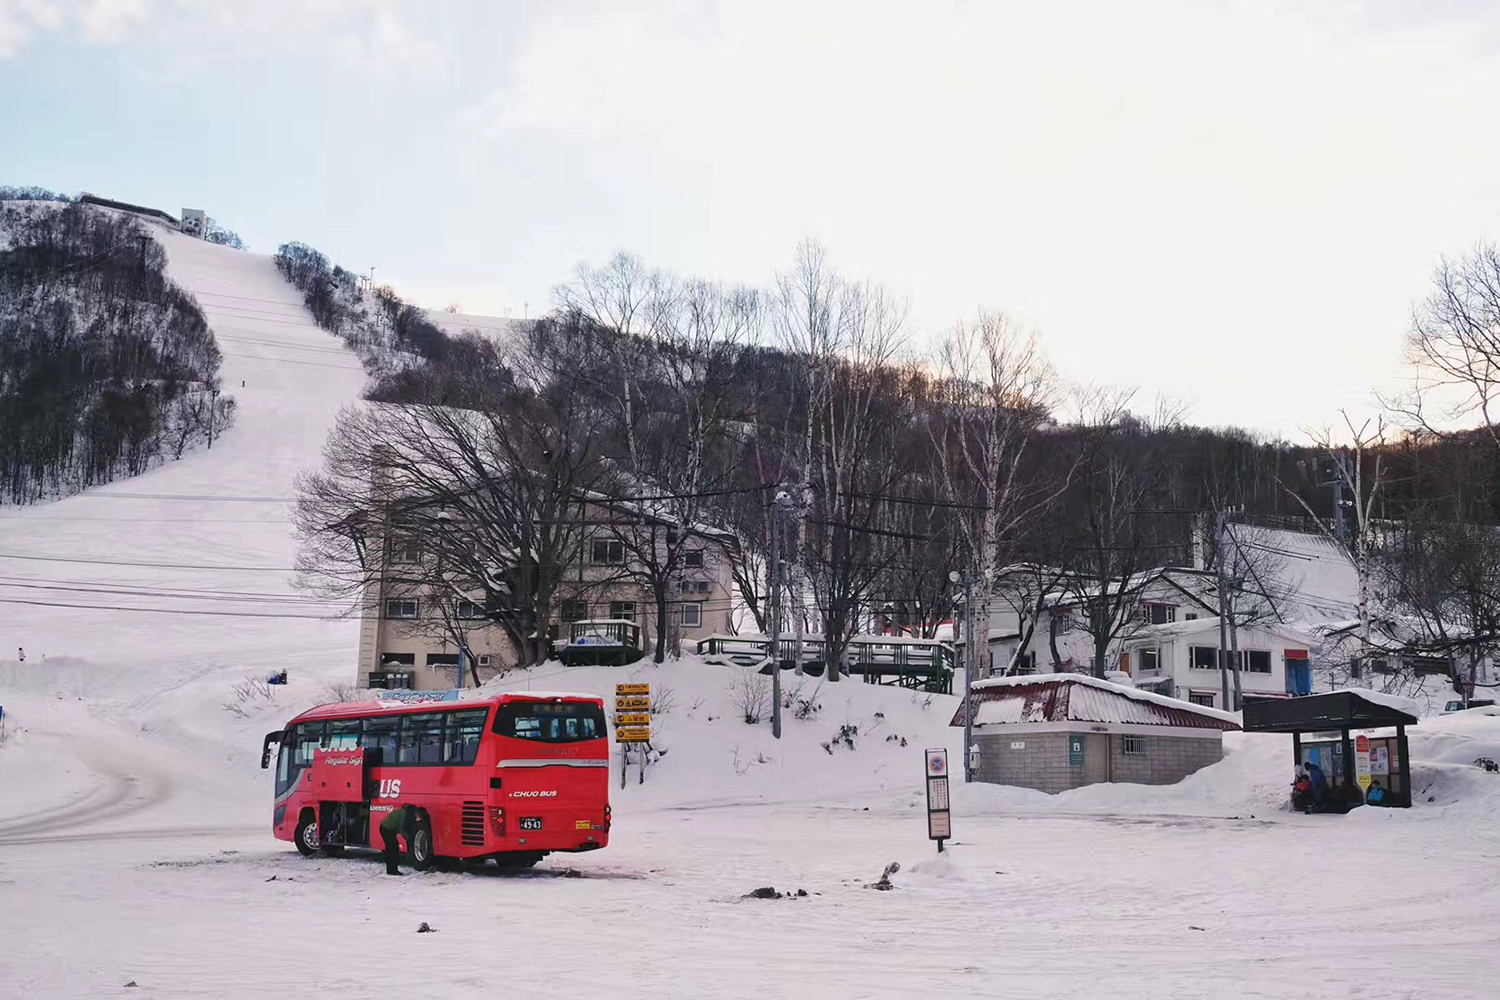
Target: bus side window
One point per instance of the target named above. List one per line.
(410, 740)
(381, 734)
(431, 724)
(284, 757)
(309, 736)
(463, 736)
(343, 734)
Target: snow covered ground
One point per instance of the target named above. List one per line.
(134, 819)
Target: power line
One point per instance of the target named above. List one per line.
(191, 497)
(149, 565)
(163, 611)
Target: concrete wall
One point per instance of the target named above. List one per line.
(1042, 762)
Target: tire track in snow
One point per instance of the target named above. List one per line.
(125, 787)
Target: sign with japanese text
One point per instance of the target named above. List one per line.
(939, 819)
(1362, 762)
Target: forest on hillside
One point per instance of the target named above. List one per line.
(107, 368)
(798, 413)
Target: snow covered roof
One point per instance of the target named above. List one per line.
(1384, 700)
(1172, 630)
(1080, 698)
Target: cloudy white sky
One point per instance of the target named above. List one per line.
(1234, 204)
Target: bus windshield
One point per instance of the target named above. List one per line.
(550, 721)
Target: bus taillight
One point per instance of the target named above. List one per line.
(608, 815)
(497, 821)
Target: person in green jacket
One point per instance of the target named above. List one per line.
(400, 820)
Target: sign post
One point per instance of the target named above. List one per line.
(939, 819)
(1362, 763)
(632, 724)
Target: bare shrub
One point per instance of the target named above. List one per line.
(252, 693)
(750, 693)
(341, 692)
(663, 699)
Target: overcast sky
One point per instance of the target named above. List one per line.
(1233, 204)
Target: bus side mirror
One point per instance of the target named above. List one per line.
(265, 747)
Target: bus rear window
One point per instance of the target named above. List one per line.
(551, 721)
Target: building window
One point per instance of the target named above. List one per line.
(1150, 660)
(623, 610)
(1206, 700)
(574, 611)
(468, 610)
(1431, 666)
(1257, 661)
(692, 614)
(693, 558)
(702, 586)
(1158, 614)
(442, 661)
(484, 660)
(1191, 616)
(401, 607)
(398, 660)
(1135, 746)
(1205, 658)
(608, 552)
(405, 549)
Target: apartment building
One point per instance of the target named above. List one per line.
(409, 635)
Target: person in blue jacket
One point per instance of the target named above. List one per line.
(1319, 783)
(1376, 797)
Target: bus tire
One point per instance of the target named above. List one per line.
(517, 860)
(306, 835)
(420, 846)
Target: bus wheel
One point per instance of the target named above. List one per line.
(515, 860)
(306, 837)
(420, 845)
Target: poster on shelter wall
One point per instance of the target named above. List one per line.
(1380, 760)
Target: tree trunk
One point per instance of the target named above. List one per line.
(1234, 658)
(1052, 642)
(661, 625)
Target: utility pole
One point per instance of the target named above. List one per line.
(1223, 610)
(779, 503)
(969, 660)
(1340, 529)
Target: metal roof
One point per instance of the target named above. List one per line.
(1076, 698)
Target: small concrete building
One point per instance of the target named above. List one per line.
(1053, 732)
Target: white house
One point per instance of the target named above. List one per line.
(1181, 660)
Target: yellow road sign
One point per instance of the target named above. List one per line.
(624, 689)
(632, 719)
(634, 703)
(634, 734)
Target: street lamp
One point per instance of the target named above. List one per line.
(967, 583)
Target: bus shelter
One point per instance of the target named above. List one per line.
(1320, 725)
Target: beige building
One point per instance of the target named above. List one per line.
(408, 636)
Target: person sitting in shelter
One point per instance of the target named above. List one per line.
(1376, 797)
(1319, 784)
(1302, 790)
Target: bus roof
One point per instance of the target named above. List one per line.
(375, 706)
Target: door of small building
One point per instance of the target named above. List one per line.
(1095, 758)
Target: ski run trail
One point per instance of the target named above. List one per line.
(134, 820)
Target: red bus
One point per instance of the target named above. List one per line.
(513, 777)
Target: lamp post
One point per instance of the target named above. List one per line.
(968, 584)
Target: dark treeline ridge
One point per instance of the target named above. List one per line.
(107, 368)
(405, 353)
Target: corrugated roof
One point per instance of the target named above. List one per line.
(1076, 698)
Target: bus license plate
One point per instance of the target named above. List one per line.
(531, 822)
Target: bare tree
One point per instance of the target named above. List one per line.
(1359, 468)
(1454, 344)
(995, 393)
(492, 499)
